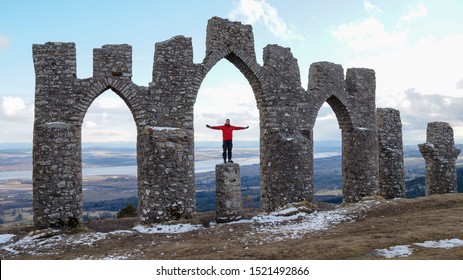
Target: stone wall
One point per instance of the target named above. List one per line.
(391, 155)
(163, 116)
(440, 155)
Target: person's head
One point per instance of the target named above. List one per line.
(227, 121)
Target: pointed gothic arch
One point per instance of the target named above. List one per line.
(163, 114)
(354, 108)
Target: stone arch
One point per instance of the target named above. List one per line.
(352, 100)
(241, 56)
(92, 88)
(244, 63)
(340, 109)
(344, 121)
(235, 66)
(326, 84)
(61, 102)
(163, 114)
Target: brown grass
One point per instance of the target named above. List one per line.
(398, 222)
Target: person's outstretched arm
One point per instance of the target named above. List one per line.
(214, 127)
(240, 127)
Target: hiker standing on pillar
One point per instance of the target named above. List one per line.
(227, 136)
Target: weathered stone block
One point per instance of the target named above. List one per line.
(113, 61)
(228, 193)
(227, 36)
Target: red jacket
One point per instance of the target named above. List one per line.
(227, 130)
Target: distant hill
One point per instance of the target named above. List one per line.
(328, 174)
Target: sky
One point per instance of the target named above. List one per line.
(415, 48)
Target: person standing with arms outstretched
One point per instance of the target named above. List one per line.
(227, 136)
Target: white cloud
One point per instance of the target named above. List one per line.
(431, 65)
(16, 119)
(226, 98)
(111, 101)
(370, 8)
(459, 84)
(232, 100)
(326, 125)
(90, 124)
(369, 34)
(5, 42)
(417, 12)
(104, 127)
(417, 110)
(109, 119)
(12, 105)
(16, 109)
(255, 11)
(430, 107)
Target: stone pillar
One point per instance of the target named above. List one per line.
(391, 156)
(57, 175)
(165, 175)
(359, 143)
(166, 144)
(359, 164)
(57, 160)
(285, 136)
(228, 193)
(440, 155)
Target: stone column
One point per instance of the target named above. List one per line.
(57, 175)
(285, 135)
(57, 160)
(391, 155)
(440, 155)
(359, 143)
(359, 164)
(165, 175)
(166, 147)
(228, 193)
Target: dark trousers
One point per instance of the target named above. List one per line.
(227, 147)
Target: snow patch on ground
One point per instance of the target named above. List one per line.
(45, 242)
(285, 211)
(295, 226)
(405, 250)
(394, 252)
(5, 238)
(446, 243)
(177, 228)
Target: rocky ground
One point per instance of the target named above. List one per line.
(421, 228)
